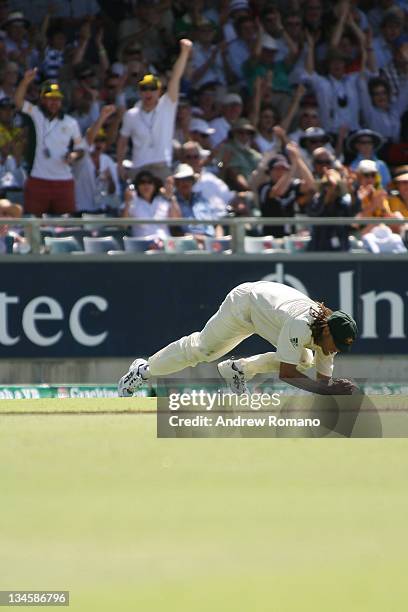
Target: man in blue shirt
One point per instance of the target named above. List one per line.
(192, 204)
(364, 144)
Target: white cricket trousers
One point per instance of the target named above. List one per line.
(229, 326)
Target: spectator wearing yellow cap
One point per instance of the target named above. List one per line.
(50, 186)
(150, 123)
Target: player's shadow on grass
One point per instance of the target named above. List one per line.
(342, 415)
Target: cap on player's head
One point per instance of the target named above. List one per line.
(343, 329)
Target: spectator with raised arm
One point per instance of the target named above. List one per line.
(396, 71)
(50, 186)
(150, 123)
(331, 200)
(335, 93)
(290, 186)
(349, 38)
(381, 112)
(96, 179)
(262, 62)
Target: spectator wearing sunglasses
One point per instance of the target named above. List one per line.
(146, 200)
(364, 144)
(323, 160)
(382, 112)
(150, 124)
(371, 199)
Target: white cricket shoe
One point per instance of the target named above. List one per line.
(233, 376)
(133, 379)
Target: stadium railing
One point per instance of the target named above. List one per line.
(237, 226)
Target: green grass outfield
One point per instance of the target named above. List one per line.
(95, 504)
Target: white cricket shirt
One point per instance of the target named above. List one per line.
(151, 133)
(52, 143)
(280, 315)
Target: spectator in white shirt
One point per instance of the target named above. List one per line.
(50, 186)
(150, 123)
(208, 59)
(392, 26)
(145, 200)
(96, 180)
(380, 111)
(335, 93)
(231, 110)
(239, 50)
(265, 139)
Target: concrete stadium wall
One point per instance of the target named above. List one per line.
(380, 368)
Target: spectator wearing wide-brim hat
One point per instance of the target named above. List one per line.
(193, 205)
(312, 139)
(363, 144)
(15, 18)
(315, 135)
(17, 45)
(238, 156)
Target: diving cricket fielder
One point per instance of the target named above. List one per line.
(305, 333)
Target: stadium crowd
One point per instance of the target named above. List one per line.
(209, 109)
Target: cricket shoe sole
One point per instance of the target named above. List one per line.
(234, 377)
(132, 380)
